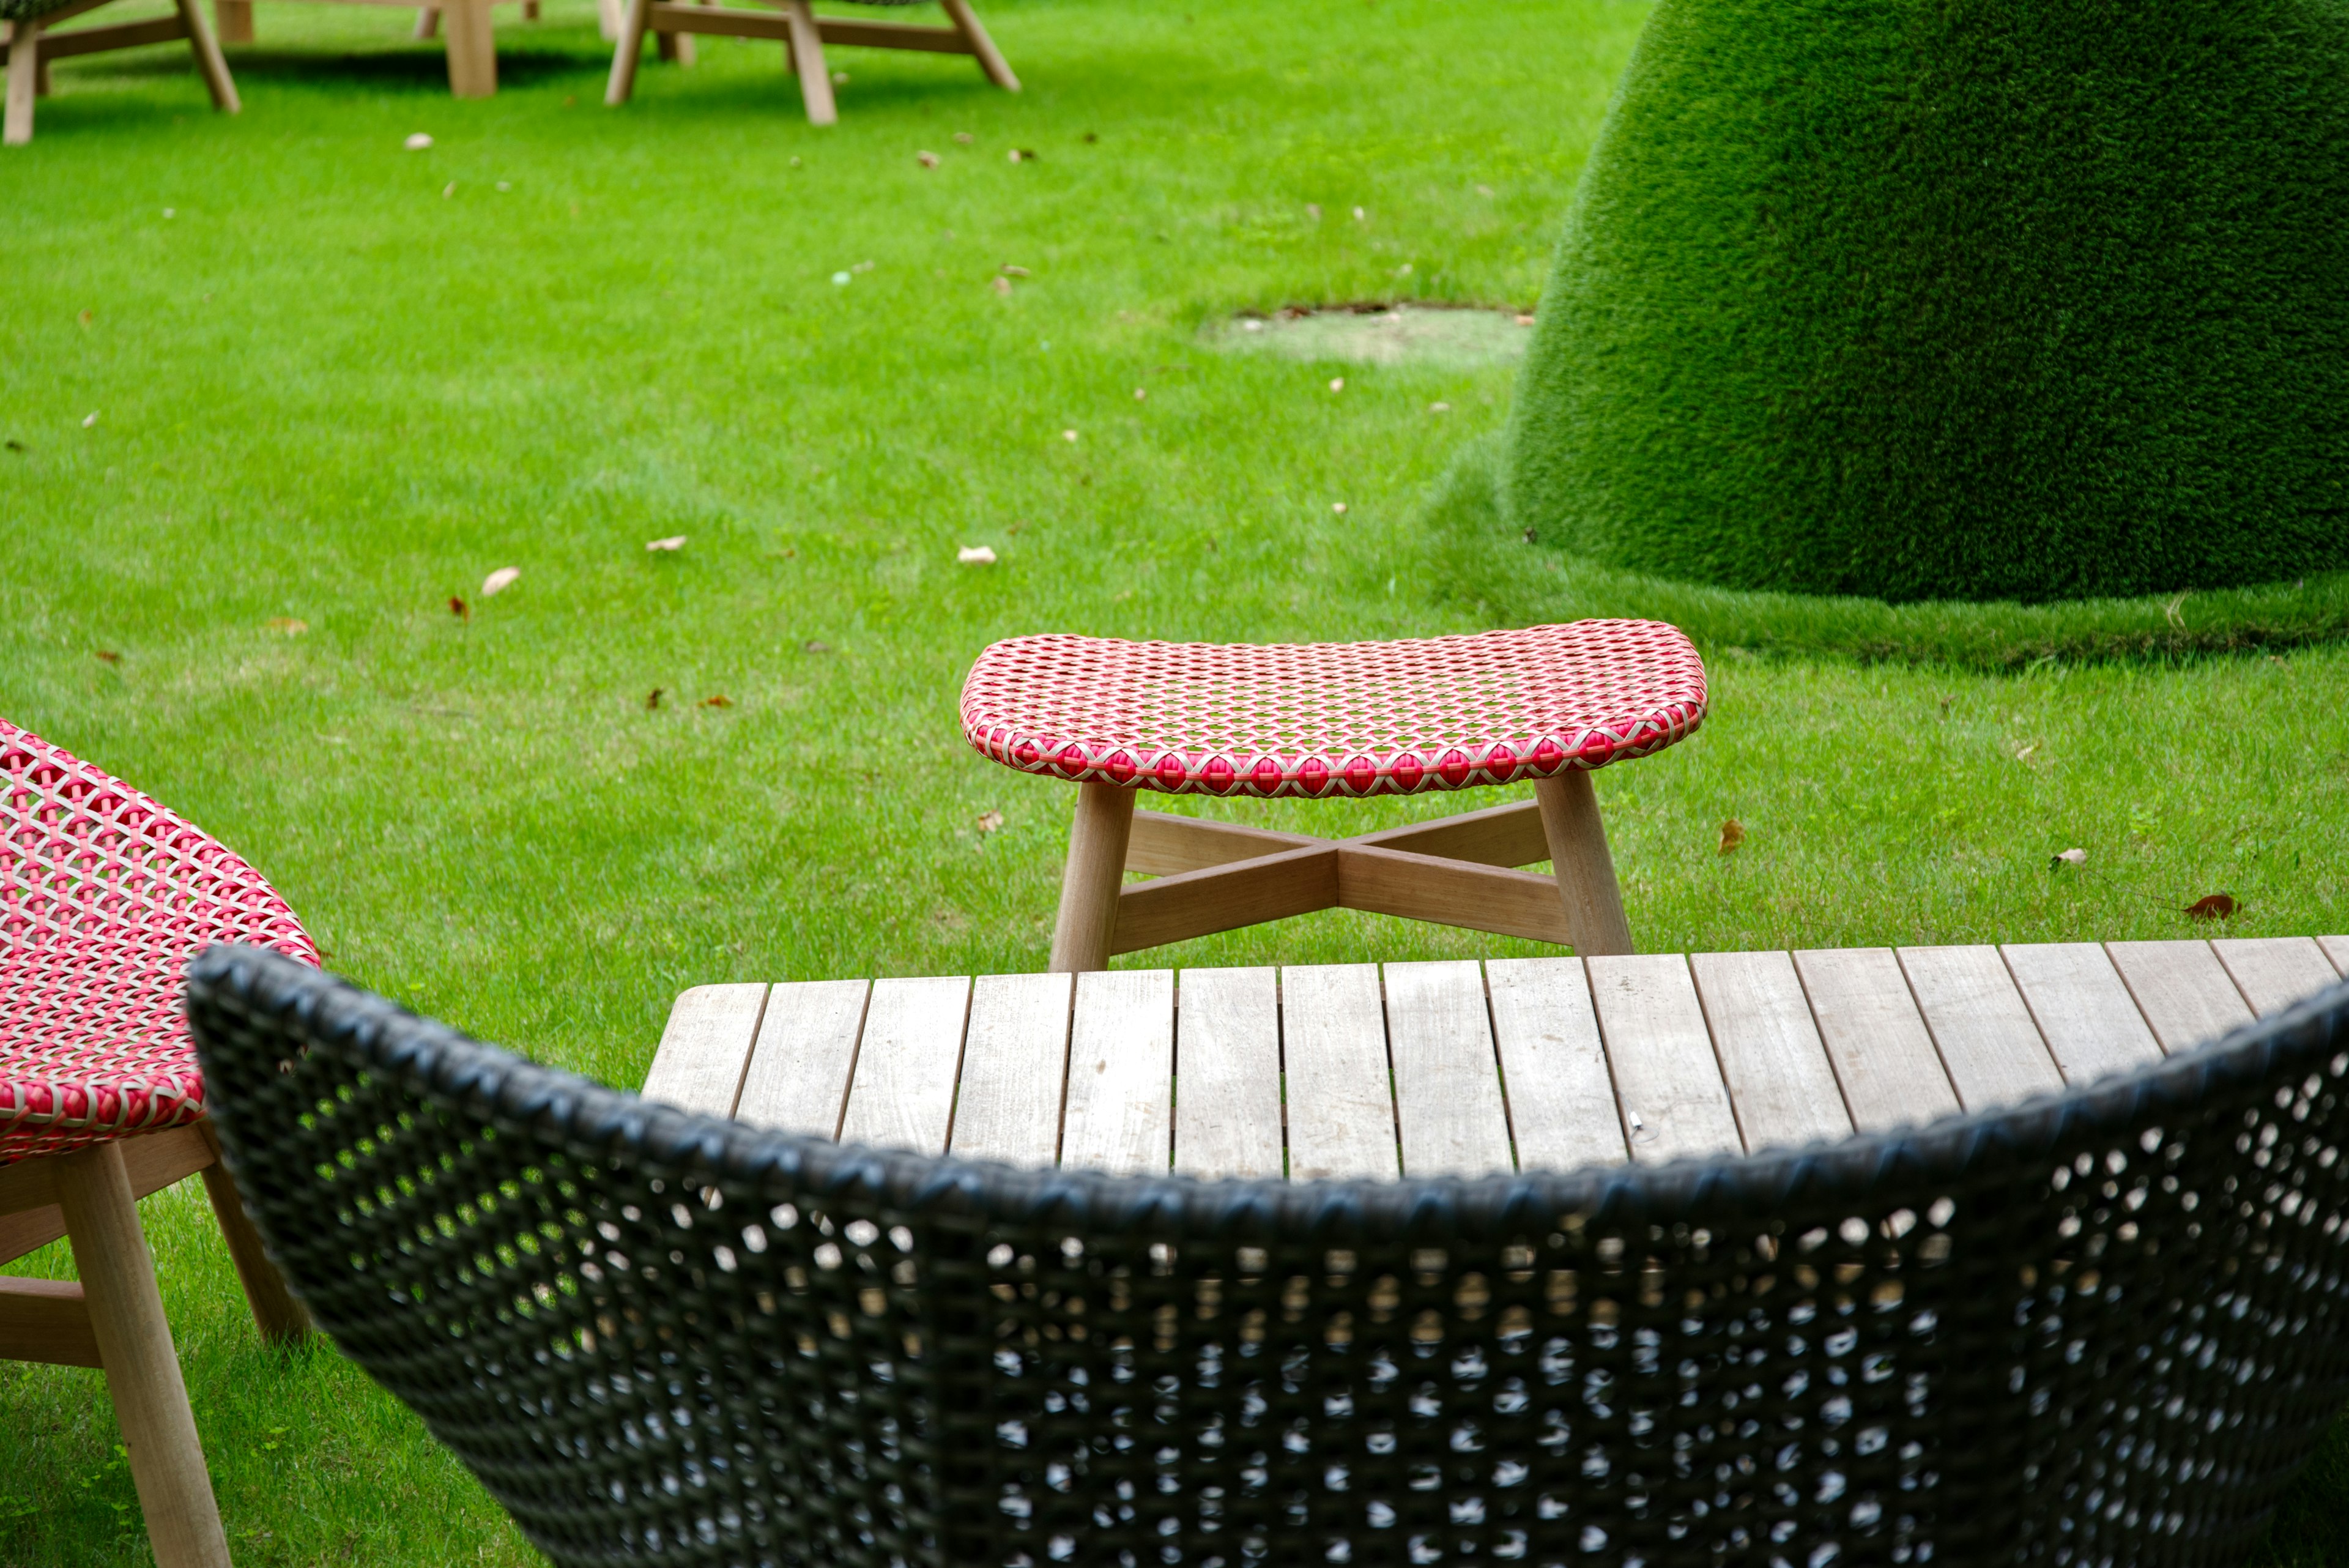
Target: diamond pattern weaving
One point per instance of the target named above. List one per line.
(104, 896)
(2102, 1328)
(1334, 718)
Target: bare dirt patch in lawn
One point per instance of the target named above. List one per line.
(1374, 334)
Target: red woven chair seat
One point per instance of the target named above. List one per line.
(1334, 718)
(104, 897)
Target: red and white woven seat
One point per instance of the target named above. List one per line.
(1335, 719)
(104, 897)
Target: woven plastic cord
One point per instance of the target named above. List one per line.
(1334, 718)
(104, 897)
(2104, 1328)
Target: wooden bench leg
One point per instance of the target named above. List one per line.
(611, 15)
(215, 70)
(280, 1318)
(142, 1370)
(990, 59)
(472, 49)
(232, 20)
(1586, 871)
(24, 82)
(428, 23)
(815, 85)
(622, 83)
(1087, 922)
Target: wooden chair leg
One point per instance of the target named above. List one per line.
(232, 21)
(990, 59)
(142, 1370)
(24, 82)
(815, 76)
(280, 1318)
(44, 85)
(428, 23)
(1586, 871)
(1087, 922)
(206, 48)
(472, 49)
(676, 49)
(611, 15)
(623, 80)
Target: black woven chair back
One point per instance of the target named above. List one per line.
(2104, 1328)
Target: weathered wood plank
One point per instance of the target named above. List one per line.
(1121, 1073)
(1162, 844)
(2084, 1012)
(1449, 892)
(1015, 1055)
(1334, 1055)
(2276, 971)
(1225, 897)
(698, 1067)
(902, 1095)
(2184, 991)
(47, 1321)
(1668, 1080)
(1562, 1107)
(1227, 1073)
(1780, 1085)
(2337, 950)
(1984, 1033)
(1507, 834)
(799, 1073)
(1882, 1052)
(1448, 1110)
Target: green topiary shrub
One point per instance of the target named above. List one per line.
(1972, 299)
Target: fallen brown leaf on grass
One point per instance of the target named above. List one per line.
(1011, 271)
(812, 646)
(460, 608)
(2067, 858)
(288, 625)
(1732, 834)
(718, 699)
(1002, 286)
(674, 541)
(1141, 394)
(926, 159)
(652, 697)
(989, 821)
(108, 654)
(84, 318)
(962, 139)
(499, 581)
(2022, 754)
(2216, 906)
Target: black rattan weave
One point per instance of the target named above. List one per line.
(2104, 1328)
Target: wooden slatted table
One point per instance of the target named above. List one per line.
(1363, 1070)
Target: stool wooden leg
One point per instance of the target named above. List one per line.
(1586, 871)
(209, 62)
(815, 76)
(1096, 869)
(473, 48)
(990, 58)
(142, 1370)
(232, 20)
(24, 80)
(280, 1318)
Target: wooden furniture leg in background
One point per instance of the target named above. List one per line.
(472, 49)
(815, 76)
(623, 80)
(990, 58)
(209, 63)
(234, 20)
(1586, 871)
(280, 1318)
(142, 1370)
(24, 81)
(1087, 922)
(611, 15)
(428, 23)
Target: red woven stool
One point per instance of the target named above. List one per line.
(104, 897)
(1549, 703)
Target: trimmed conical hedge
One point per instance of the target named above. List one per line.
(1970, 299)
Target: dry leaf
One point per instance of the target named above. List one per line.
(2067, 858)
(288, 625)
(16, 445)
(1732, 834)
(108, 654)
(449, 189)
(1003, 285)
(653, 697)
(1068, 435)
(674, 541)
(2216, 906)
(1023, 155)
(926, 159)
(1358, 216)
(499, 581)
(1439, 407)
(417, 142)
(1337, 383)
(1525, 319)
(2171, 611)
(84, 318)
(460, 608)
(89, 418)
(989, 821)
(718, 699)
(1483, 190)
(1091, 136)
(2022, 754)
(812, 646)
(1011, 271)
(1313, 211)
(1141, 394)
(962, 139)
(976, 556)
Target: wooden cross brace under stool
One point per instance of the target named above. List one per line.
(1546, 704)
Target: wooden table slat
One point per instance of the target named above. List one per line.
(1665, 1072)
(799, 1075)
(1228, 1074)
(1882, 1052)
(698, 1067)
(2276, 971)
(1449, 1117)
(2085, 1014)
(1780, 1085)
(902, 1095)
(1562, 1106)
(1985, 1034)
(1121, 1073)
(2185, 993)
(1340, 1096)
(2337, 950)
(1015, 1056)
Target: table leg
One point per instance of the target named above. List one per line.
(1586, 871)
(24, 81)
(1097, 839)
(473, 48)
(206, 49)
(234, 20)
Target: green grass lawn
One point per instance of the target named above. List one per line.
(341, 382)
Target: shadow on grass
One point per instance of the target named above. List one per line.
(1484, 558)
